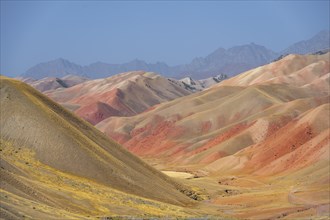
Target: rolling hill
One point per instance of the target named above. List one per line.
(255, 146)
(56, 166)
(258, 142)
(124, 94)
(187, 124)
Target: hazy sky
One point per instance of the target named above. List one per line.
(173, 32)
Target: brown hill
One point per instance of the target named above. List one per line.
(54, 165)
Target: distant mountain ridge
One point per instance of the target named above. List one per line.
(319, 42)
(55, 68)
(230, 61)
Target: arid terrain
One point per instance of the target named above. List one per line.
(165, 110)
(257, 142)
(124, 94)
(56, 166)
(255, 146)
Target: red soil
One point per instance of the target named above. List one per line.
(205, 127)
(96, 112)
(222, 137)
(154, 138)
(287, 140)
(97, 107)
(212, 157)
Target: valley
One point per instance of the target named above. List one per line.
(165, 110)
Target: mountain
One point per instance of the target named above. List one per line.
(221, 61)
(318, 42)
(258, 142)
(238, 101)
(56, 68)
(56, 166)
(61, 67)
(230, 62)
(124, 94)
(255, 146)
(104, 70)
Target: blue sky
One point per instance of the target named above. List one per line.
(173, 32)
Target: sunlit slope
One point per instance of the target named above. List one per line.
(193, 126)
(206, 126)
(302, 142)
(286, 175)
(45, 149)
(258, 142)
(124, 94)
(297, 70)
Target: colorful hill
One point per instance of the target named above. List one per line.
(55, 165)
(125, 94)
(259, 142)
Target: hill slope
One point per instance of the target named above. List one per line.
(258, 142)
(124, 94)
(220, 121)
(56, 165)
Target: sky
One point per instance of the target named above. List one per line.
(174, 32)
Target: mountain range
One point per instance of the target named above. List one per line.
(222, 61)
(258, 141)
(254, 146)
